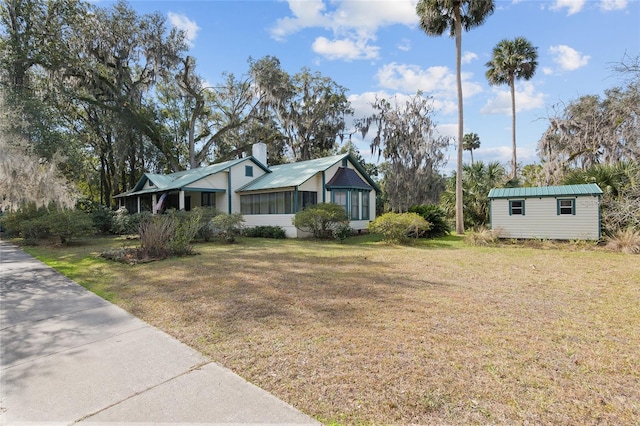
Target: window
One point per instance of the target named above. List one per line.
(208, 199)
(248, 171)
(272, 202)
(355, 205)
(567, 207)
(306, 199)
(516, 207)
(365, 206)
(340, 198)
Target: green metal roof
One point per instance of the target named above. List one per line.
(295, 174)
(546, 191)
(183, 178)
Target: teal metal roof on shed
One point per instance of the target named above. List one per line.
(546, 191)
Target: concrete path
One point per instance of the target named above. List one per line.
(68, 356)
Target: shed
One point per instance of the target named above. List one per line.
(568, 212)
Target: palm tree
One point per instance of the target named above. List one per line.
(436, 16)
(470, 142)
(512, 59)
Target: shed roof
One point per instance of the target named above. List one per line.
(546, 191)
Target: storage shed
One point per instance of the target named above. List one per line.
(569, 212)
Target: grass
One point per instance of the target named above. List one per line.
(367, 333)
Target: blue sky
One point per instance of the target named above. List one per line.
(375, 47)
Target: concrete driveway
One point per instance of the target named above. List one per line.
(68, 356)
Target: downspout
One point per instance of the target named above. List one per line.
(324, 190)
(229, 188)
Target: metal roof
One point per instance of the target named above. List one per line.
(178, 180)
(546, 191)
(295, 174)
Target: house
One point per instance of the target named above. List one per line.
(264, 195)
(569, 212)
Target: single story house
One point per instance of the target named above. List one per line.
(264, 195)
(569, 212)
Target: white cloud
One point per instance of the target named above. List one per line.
(467, 57)
(352, 23)
(547, 71)
(503, 154)
(572, 6)
(345, 49)
(526, 99)
(404, 45)
(568, 58)
(185, 24)
(438, 81)
(608, 5)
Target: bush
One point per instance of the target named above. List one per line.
(25, 219)
(128, 224)
(482, 237)
(265, 232)
(228, 226)
(399, 227)
(101, 215)
(342, 231)
(627, 241)
(68, 224)
(156, 233)
(436, 216)
(320, 219)
(205, 231)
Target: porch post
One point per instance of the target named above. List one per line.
(154, 201)
(181, 198)
(138, 204)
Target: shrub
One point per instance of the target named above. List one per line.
(228, 226)
(25, 219)
(265, 232)
(342, 231)
(482, 237)
(101, 215)
(399, 227)
(155, 235)
(205, 231)
(68, 224)
(187, 225)
(627, 241)
(127, 224)
(320, 219)
(436, 216)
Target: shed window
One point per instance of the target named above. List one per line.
(516, 207)
(248, 171)
(567, 207)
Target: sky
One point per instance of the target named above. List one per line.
(377, 48)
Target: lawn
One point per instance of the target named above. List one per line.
(367, 333)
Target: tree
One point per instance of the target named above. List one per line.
(478, 179)
(309, 109)
(512, 60)
(406, 138)
(436, 16)
(471, 141)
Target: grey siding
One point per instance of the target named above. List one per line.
(542, 221)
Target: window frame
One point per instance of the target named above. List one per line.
(513, 209)
(248, 171)
(560, 207)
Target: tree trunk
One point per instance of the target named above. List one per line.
(513, 130)
(459, 208)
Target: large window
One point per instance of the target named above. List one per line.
(365, 206)
(355, 205)
(516, 207)
(276, 202)
(567, 207)
(340, 198)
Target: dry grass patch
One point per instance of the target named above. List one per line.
(429, 334)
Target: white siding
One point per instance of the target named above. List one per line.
(281, 220)
(542, 221)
